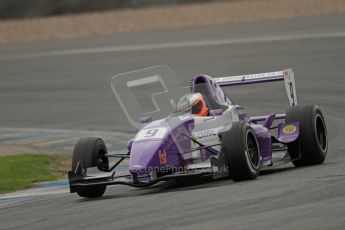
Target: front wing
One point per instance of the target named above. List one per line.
(82, 177)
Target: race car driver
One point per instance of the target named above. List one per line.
(196, 102)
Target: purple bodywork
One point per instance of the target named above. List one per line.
(185, 145)
(146, 153)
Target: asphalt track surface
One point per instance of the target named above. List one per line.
(65, 85)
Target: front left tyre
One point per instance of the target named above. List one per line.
(88, 152)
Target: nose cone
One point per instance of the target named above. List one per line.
(145, 155)
(156, 147)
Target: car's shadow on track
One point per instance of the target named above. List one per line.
(117, 192)
(162, 187)
(275, 170)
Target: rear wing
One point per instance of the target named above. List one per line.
(286, 75)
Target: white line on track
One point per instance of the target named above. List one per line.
(143, 47)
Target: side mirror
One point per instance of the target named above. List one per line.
(129, 144)
(147, 119)
(216, 112)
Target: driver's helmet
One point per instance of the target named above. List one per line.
(195, 101)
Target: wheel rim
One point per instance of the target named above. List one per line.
(102, 162)
(253, 151)
(321, 132)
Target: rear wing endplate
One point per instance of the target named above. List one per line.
(286, 75)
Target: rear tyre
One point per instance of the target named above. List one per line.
(312, 145)
(88, 152)
(242, 152)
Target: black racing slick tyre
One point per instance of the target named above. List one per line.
(241, 151)
(88, 152)
(312, 145)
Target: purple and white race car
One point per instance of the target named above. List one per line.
(205, 136)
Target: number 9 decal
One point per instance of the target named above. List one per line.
(151, 132)
(156, 133)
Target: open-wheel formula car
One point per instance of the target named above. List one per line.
(206, 135)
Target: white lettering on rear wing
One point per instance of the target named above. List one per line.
(286, 75)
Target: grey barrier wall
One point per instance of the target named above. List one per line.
(10, 9)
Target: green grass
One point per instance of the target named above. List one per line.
(21, 171)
